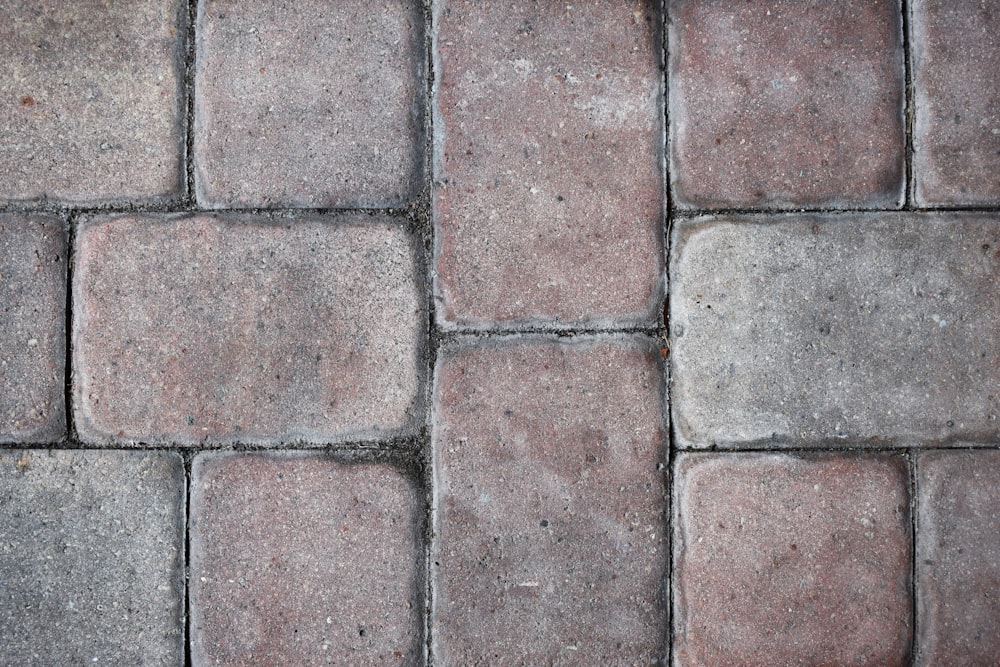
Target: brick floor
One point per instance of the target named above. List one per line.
(471, 331)
(300, 559)
(237, 329)
(782, 560)
(91, 557)
(958, 558)
(93, 108)
(32, 329)
(550, 545)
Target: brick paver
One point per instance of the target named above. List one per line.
(297, 559)
(308, 103)
(958, 558)
(236, 329)
(786, 103)
(548, 188)
(550, 545)
(91, 558)
(92, 101)
(32, 328)
(812, 330)
(791, 561)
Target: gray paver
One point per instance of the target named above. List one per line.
(956, 130)
(786, 104)
(235, 329)
(958, 558)
(91, 558)
(309, 104)
(550, 545)
(298, 559)
(93, 107)
(840, 329)
(548, 189)
(32, 328)
(782, 560)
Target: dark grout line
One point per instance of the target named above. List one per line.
(70, 236)
(908, 105)
(912, 469)
(188, 458)
(190, 56)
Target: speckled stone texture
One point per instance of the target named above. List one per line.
(91, 558)
(548, 190)
(791, 561)
(785, 103)
(32, 328)
(213, 329)
(297, 559)
(308, 103)
(836, 330)
(550, 545)
(93, 108)
(956, 88)
(958, 558)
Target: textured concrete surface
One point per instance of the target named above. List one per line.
(92, 108)
(782, 560)
(308, 104)
(91, 558)
(234, 329)
(548, 191)
(297, 559)
(844, 329)
(550, 545)
(783, 104)
(958, 558)
(956, 134)
(32, 328)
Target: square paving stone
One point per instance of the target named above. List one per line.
(308, 104)
(91, 558)
(548, 192)
(32, 328)
(956, 88)
(550, 530)
(958, 558)
(786, 104)
(834, 330)
(297, 559)
(93, 108)
(222, 329)
(781, 560)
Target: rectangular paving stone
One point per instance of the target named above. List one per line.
(955, 50)
(549, 523)
(91, 558)
(836, 330)
(32, 328)
(93, 108)
(786, 104)
(222, 329)
(958, 558)
(297, 559)
(308, 104)
(784, 560)
(548, 191)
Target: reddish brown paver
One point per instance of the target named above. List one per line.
(786, 103)
(782, 560)
(956, 88)
(298, 559)
(958, 558)
(92, 108)
(91, 558)
(308, 103)
(820, 330)
(548, 188)
(213, 329)
(550, 537)
(32, 328)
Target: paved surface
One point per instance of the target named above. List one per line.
(665, 333)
